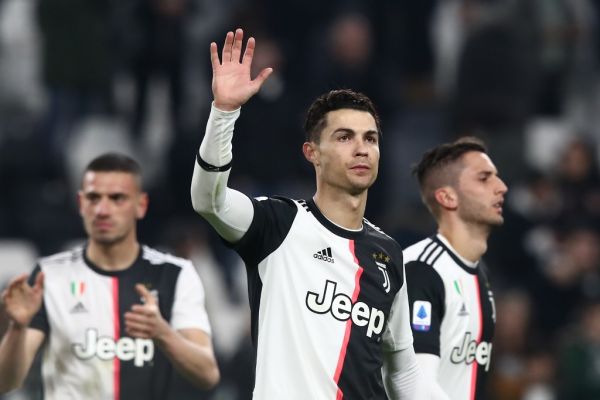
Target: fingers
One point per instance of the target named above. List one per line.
(137, 325)
(18, 280)
(237, 45)
(214, 55)
(249, 52)
(227, 47)
(145, 294)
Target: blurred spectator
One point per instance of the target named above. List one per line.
(579, 371)
(579, 181)
(77, 65)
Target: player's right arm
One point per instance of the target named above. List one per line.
(426, 296)
(228, 211)
(429, 364)
(20, 343)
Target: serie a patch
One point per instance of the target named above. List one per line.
(421, 316)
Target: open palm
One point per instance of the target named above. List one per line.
(232, 85)
(22, 301)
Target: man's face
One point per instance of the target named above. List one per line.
(480, 190)
(110, 204)
(347, 156)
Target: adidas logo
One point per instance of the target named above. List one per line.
(79, 308)
(324, 255)
(463, 311)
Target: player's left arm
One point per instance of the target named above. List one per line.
(189, 350)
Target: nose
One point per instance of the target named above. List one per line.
(362, 148)
(102, 207)
(502, 188)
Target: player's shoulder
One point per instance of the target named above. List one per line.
(161, 258)
(425, 251)
(374, 230)
(62, 259)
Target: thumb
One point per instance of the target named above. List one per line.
(262, 77)
(39, 281)
(145, 294)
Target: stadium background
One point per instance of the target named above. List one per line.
(81, 77)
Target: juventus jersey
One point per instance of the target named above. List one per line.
(325, 302)
(452, 315)
(87, 353)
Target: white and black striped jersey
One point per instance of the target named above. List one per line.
(325, 303)
(452, 315)
(87, 354)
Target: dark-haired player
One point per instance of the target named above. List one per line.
(114, 316)
(327, 293)
(451, 303)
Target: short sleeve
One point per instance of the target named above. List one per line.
(188, 308)
(426, 296)
(273, 218)
(397, 334)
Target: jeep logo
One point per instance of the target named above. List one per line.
(341, 307)
(471, 351)
(105, 348)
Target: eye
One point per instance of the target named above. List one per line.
(344, 138)
(92, 197)
(118, 198)
(372, 139)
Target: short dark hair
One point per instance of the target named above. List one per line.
(335, 100)
(115, 162)
(436, 160)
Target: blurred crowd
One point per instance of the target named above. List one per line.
(78, 78)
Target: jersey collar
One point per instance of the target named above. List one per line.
(336, 229)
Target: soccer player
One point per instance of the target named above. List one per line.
(452, 307)
(327, 294)
(114, 315)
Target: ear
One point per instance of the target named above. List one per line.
(142, 205)
(311, 152)
(446, 197)
(80, 201)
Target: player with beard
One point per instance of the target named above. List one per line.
(114, 316)
(451, 303)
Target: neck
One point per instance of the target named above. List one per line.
(342, 209)
(470, 241)
(114, 256)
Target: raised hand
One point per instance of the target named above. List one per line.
(232, 85)
(22, 301)
(144, 320)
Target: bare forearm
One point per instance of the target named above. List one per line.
(13, 359)
(194, 361)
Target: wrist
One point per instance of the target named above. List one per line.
(224, 107)
(16, 326)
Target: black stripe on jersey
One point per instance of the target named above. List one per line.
(434, 260)
(360, 377)
(162, 278)
(152, 380)
(425, 284)
(424, 254)
(488, 323)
